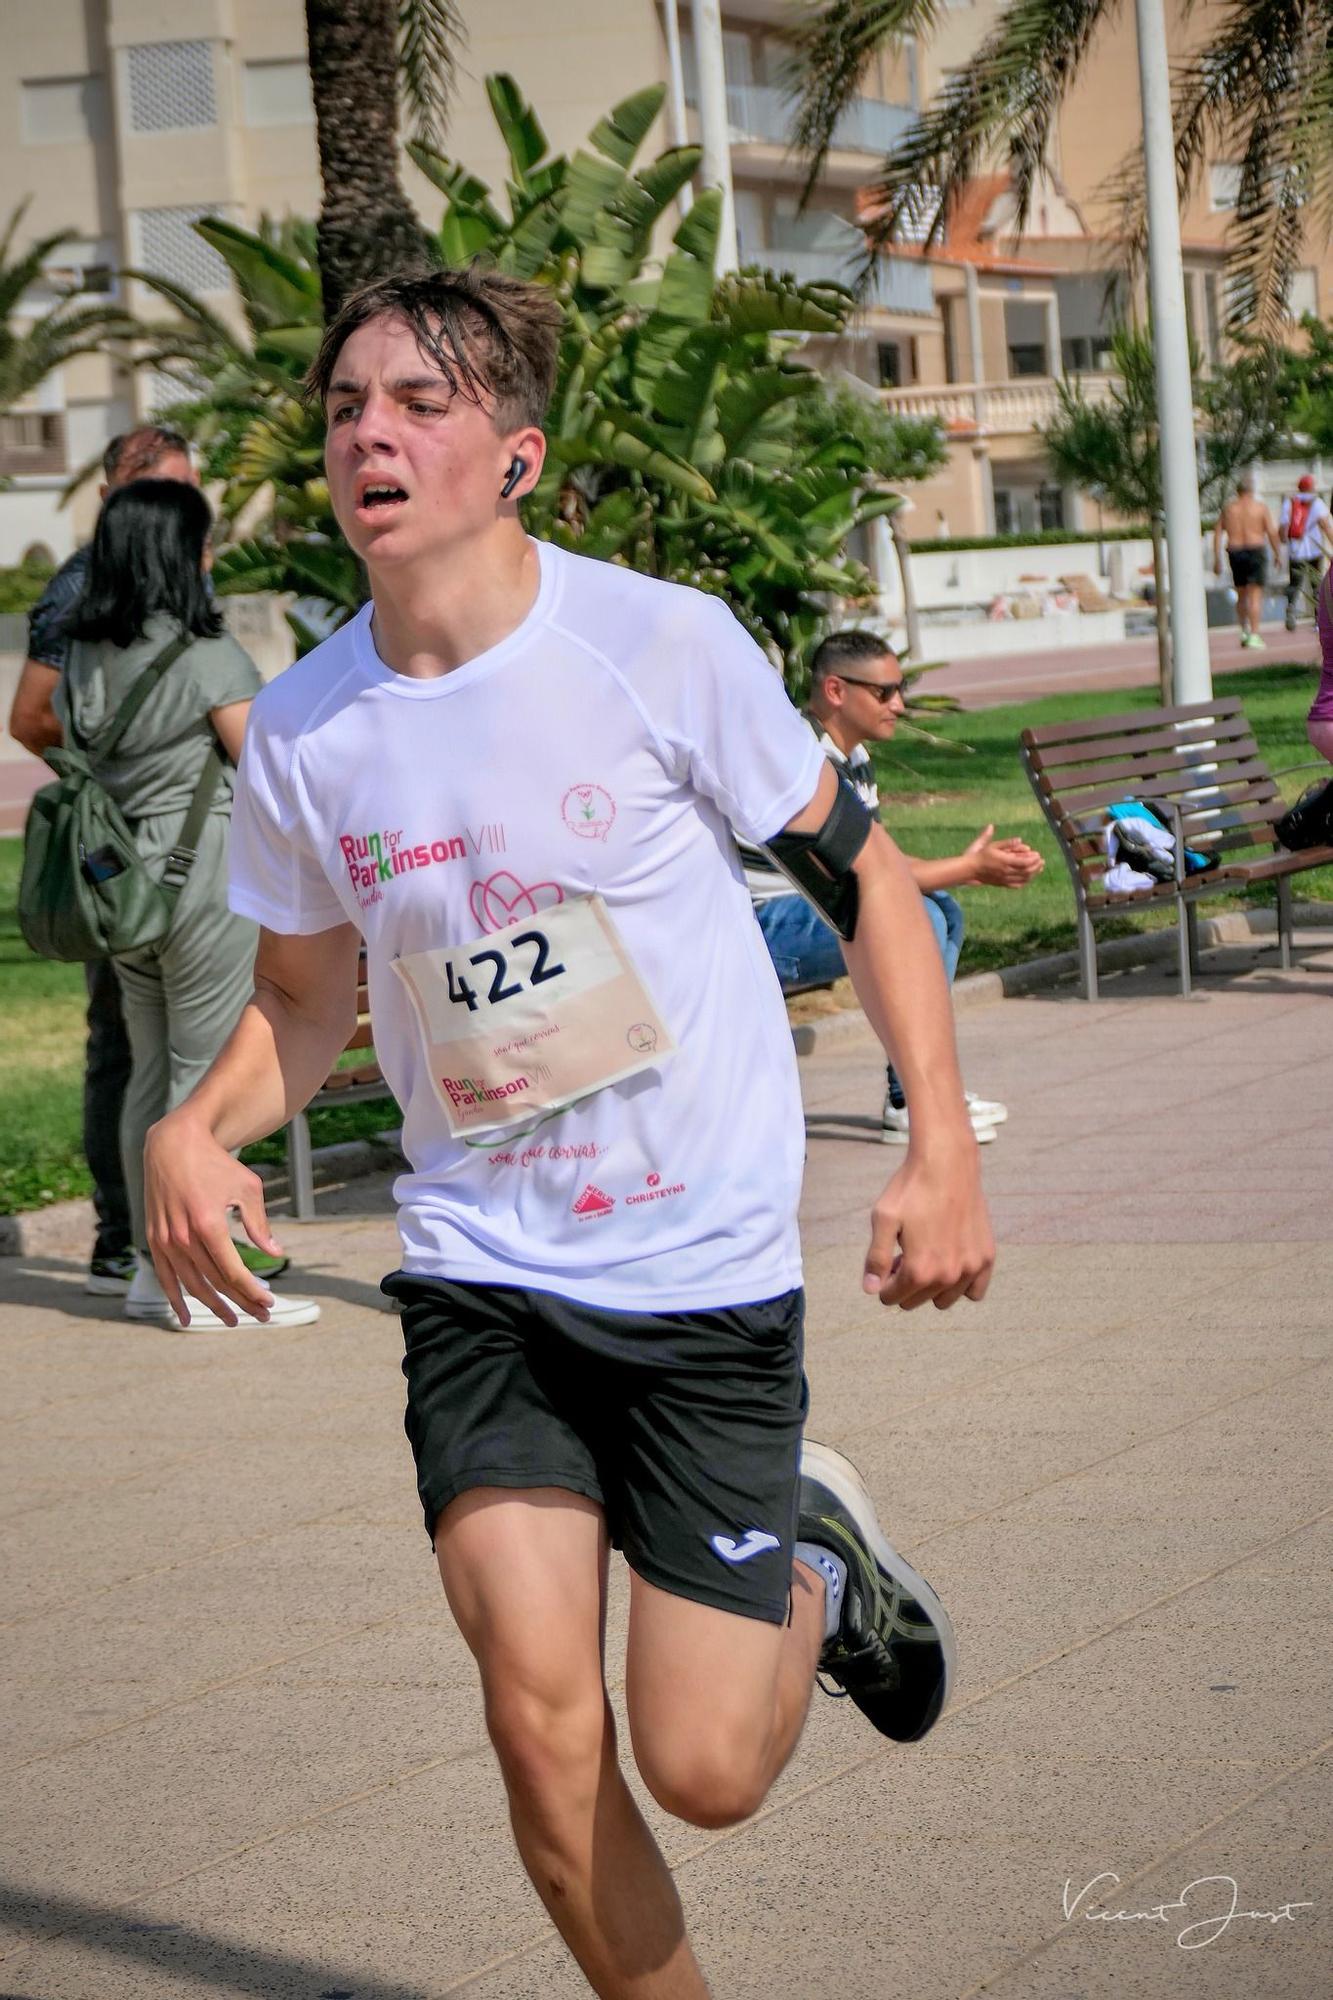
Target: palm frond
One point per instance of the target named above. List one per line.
(430, 35)
(1003, 104)
(833, 45)
(1260, 91)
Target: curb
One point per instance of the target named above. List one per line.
(351, 1159)
(1040, 975)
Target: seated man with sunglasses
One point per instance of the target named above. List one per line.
(856, 697)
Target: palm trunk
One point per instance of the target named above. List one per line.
(1164, 674)
(367, 227)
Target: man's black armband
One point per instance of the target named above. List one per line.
(820, 864)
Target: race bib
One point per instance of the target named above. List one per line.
(528, 1019)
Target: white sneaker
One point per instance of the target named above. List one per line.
(985, 1108)
(895, 1130)
(146, 1300)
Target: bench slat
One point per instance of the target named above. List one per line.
(1167, 742)
(1090, 800)
(1128, 723)
(1127, 772)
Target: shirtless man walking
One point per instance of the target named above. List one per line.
(515, 775)
(1250, 532)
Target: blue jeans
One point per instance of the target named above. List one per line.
(805, 950)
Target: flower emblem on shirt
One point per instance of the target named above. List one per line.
(589, 811)
(502, 900)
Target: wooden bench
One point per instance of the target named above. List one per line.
(358, 1084)
(1200, 766)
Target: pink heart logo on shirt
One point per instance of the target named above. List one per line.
(502, 900)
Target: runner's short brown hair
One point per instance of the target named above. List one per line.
(490, 335)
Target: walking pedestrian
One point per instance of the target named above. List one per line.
(145, 601)
(1305, 525)
(515, 774)
(1249, 532)
(162, 452)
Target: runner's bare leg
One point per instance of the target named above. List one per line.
(525, 1574)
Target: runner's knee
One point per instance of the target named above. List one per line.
(706, 1776)
(550, 1739)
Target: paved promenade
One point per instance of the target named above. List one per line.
(241, 1743)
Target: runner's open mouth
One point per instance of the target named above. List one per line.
(382, 496)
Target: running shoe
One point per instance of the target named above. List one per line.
(111, 1277)
(893, 1651)
(987, 1109)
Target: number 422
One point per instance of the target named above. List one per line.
(502, 988)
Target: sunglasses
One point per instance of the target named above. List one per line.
(882, 690)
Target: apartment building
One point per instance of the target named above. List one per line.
(127, 120)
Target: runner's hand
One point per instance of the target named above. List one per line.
(191, 1184)
(930, 1233)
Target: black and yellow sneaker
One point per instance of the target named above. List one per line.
(893, 1651)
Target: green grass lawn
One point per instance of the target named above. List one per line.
(935, 801)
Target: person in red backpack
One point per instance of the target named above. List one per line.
(1306, 526)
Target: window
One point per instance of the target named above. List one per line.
(166, 244)
(1051, 506)
(890, 365)
(1006, 513)
(31, 430)
(55, 110)
(277, 93)
(1223, 188)
(169, 86)
(1303, 294)
(1026, 358)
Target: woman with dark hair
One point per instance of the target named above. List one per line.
(145, 594)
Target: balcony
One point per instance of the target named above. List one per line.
(993, 409)
(760, 113)
(32, 444)
(899, 284)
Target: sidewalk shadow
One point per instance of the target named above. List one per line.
(856, 1126)
(57, 1284)
(187, 1953)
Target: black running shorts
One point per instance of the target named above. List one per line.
(684, 1427)
(1247, 567)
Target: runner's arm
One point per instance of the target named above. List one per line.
(933, 1209)
(290, 1034)
(1270, 529)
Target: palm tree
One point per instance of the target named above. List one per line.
(1260, 91)
(30, 351)
(361, 52)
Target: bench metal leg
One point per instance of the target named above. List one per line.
(301, 1169)
(1087, 953)
(1284, 922)
(1185, 916)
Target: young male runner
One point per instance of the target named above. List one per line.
(516, 774)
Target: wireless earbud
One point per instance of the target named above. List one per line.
(517, 468)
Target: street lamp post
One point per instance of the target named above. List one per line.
(714, 125)
(1175, 387)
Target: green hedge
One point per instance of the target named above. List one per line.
(1043, 537)
(21, 585)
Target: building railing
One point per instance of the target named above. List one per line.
(899, 284)
(762, 112)
(1019, 406)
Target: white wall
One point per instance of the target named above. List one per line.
(30, 512)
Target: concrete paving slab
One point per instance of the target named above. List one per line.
(251, 1742)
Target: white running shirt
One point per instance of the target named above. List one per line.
(609, 744)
